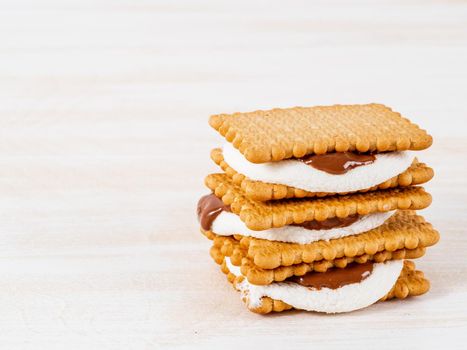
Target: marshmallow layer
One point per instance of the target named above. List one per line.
(344, 299)
(228, 224)
(294, 173)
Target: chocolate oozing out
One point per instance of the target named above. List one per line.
(329, 223)
(335, 278)
(337, 163)
(209, 207)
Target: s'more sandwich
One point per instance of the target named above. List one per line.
(316, 207)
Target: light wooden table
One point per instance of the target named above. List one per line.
(104, 145)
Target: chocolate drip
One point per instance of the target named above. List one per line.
(338, 163)
(209, 207)
(329, 223)
(335, 277)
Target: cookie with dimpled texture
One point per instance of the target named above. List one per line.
(272, 135)
(228, 247)
(264, 215)
(416, 174)
(411, 282)
(404, 230)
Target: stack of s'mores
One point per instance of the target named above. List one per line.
(315, 208)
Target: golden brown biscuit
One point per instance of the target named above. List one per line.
(411, 282)
(265, 215)
(416, 174)
(260, 276)
(404, 230)
(273, 135)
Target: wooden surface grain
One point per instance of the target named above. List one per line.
(104, 145)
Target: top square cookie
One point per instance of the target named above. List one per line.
(266, 136)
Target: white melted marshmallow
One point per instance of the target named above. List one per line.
(344, 299)
(297, 174)
(228, 224)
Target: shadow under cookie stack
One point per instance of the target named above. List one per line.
(315, 208)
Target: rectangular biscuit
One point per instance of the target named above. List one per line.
(416, 174)
(273, 135)
(404, 230)
(259, 276)
(411, 282)
(264, 215)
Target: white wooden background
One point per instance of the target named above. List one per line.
(104, 145)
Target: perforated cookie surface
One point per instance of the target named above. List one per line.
(405, 235)
(264, 215)
(273, 135)
(226, 246)
(405, 229)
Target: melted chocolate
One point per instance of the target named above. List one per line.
(335, 278)
(338, 163)
(209, 207)
(329, 223)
